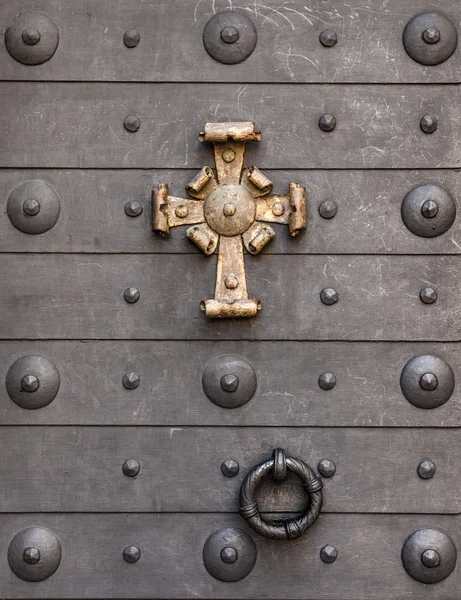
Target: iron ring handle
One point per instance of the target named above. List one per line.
(278, 465)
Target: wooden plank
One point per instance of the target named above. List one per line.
(79, 469)
(368, 221)
(377, 127)
(369, 47)
(171, 564)
(68, 296)
(367, 392)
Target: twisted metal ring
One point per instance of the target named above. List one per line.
(284, 529)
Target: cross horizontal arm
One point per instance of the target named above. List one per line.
(289, 210)
(170, 211)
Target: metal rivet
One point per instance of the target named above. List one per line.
(229, 209)
(327, 381)
(278, 209)
(329, 296)
(327, 122)
(30, 36)
(131, 554)
(426, 469)
(428, 381)
(428, 295)
(133, 208)
(228, 155)
(131, 467)
(31, 207)
(430, 558)
(132, 123)
(229, 35)
(428, 124)
(31, 556)
(231, 282)
(326, 468)
(229, 383)
(328, 38)
(181, 211)
(131, 380)
(30, 383)
(431, 35)
(328, 554)
(328, 209)
(131, 295)
(430, 209)
(229, 555)
(230, 468)
(131, 38)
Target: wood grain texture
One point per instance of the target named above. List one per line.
(368, 221)
(79, 469)
(377, 127)
(367, 392)
(171, 564)
(369, 47)
(68, 296)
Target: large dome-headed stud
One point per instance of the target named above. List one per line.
(427, 381)
(428, 210)
(229, 554)
(229, 381)
(229, 37)
(429, 555)
(33, 207)
(430, 38)
(34, 554)
(32, 38)
(32, 381)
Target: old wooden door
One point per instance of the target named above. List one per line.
(130, 418)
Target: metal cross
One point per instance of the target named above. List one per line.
(228, 212)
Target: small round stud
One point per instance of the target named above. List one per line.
(132, 123)
(131, 554)
(229, 37)
(328, 209)
(328, 38)
(32, 381)
(34, 554)
(328, 554)
(230, 468)
(429, 555)
(181, 211)
(231, 282)
(278, 209)
(228, 155)
(131, 38)
(229, 554)
(133, 208)
(29, 383)
(326, 468)
(428, 295)
(229, 209)
(329, 296)
(430, 38)
(427, 381)
(131, 380)
(327, 122)
(327, 381)
(428, 210)
(229, 381)
(426, 469)
(131, 467)
(428, 124)
(131, 295)
(33, 207)
(32, 39)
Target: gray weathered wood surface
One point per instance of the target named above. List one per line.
(368, 221)
(81, 296)
(377, 127)
(367, 392)
(180, 468)
(171, 565)
(369, 47)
